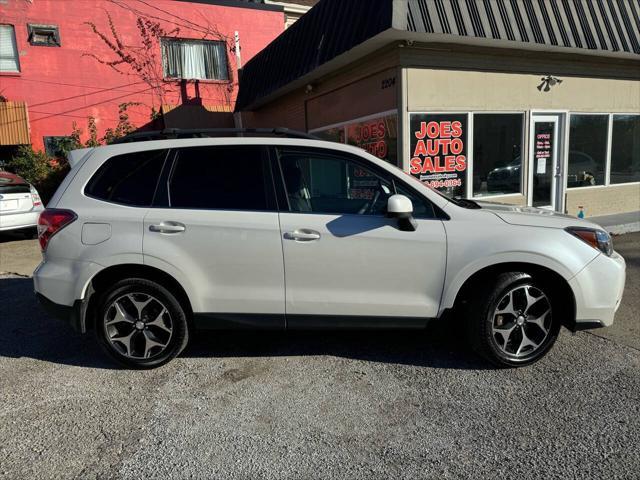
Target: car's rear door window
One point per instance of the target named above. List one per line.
(221, 178)
(128, 179)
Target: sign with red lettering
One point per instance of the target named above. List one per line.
(439, 150)
(378, 136)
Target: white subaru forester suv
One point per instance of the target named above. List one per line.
(145, 242)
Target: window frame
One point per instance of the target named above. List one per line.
(524, 154)
(15, 50)
(32, 29)
(468, 178)
(607, 176)
(162, 197)
(167, 78)
(607, 156)
(389, 177)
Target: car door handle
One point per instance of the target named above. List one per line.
(167, 227)
(302, 235)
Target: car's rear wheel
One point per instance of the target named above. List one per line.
(140, 324)
(514, 320)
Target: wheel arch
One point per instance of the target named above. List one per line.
(108, 276)
(542, 273)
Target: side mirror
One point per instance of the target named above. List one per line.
(400, 207)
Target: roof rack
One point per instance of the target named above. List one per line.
(172, 133)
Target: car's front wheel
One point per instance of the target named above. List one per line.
(513, 321)
(140, 324)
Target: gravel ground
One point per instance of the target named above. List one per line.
(318, 405)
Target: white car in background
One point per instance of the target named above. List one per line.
(146, 242)
(20, 204)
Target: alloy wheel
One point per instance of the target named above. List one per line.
(522, 321)
(138, 326)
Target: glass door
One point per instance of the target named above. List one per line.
(544, 161)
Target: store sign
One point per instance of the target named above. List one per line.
(439, 150)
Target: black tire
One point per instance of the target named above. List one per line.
(480, 315)
(176, 340)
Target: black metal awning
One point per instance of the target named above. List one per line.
(607, 25)
(333, 27)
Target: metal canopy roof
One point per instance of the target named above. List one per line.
(608, 25)
(333, 27)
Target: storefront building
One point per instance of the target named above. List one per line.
(531, 103)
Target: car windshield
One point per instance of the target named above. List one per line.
(460, 202)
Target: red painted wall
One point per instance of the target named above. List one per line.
(62, 85)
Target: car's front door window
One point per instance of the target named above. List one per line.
(318, 182)
(324, 182)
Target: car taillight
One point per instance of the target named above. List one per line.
(50, 222)
(35, 197)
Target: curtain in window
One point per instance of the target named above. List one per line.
(195, 59)
(8, 50)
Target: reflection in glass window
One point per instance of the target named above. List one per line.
(497, 153)
(325, 183)
(587, 150)
(378, 136)
(625, 149)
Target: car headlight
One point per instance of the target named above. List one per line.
(598, 239)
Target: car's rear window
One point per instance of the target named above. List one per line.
(11, 183)
(128, 179)
(15, 188)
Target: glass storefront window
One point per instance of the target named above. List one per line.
(625, 149)
(497, 153)
(376, 135)
(439, 151)
(587, 150)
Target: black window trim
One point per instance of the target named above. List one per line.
(164, 163)
(270, 192)
(438, 213)
(54, 29)
(228, 68)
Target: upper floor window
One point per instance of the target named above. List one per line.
(194, 59)
(45, 35)
(8, 50)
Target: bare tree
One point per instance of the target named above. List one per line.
(144, 60)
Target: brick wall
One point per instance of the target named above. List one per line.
(62, 85)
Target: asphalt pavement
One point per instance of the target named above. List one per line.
(315, 405)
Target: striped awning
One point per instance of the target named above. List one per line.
(608, 25)
(603, 28)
